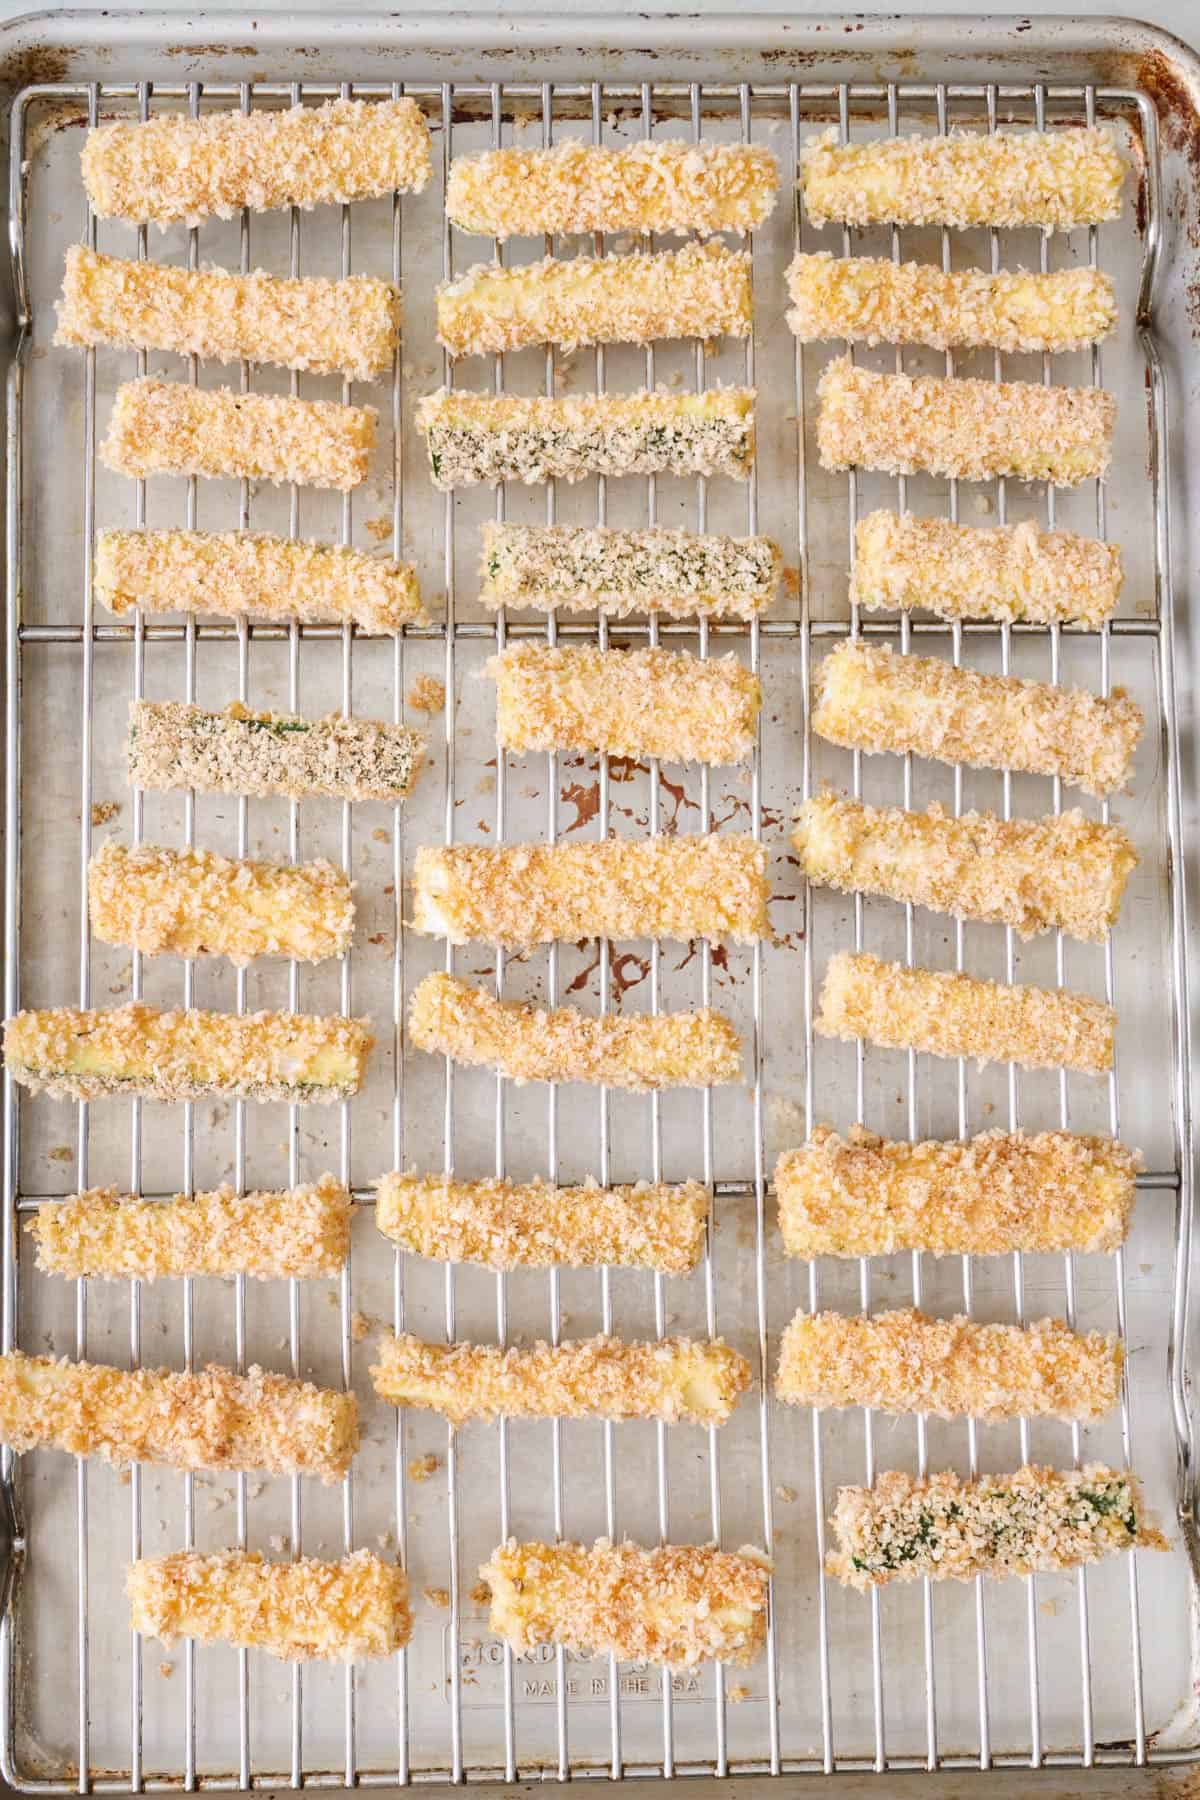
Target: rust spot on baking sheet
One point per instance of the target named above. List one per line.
(33, 66)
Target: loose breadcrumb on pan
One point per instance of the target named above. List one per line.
(210, 1419)
(300, 1233)
(684, 574)
(501, 1224)
(998, 1192)
(673, 1379)
(676, 1604)
(905, 1362)
(637, 1051)
(952, 1014)
(306, 1610)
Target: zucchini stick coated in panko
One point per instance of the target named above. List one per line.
(673, 1379)
(517, 895)
(998, 1192)
(683, 574)
(904, 1362)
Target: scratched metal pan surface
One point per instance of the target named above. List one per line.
(1075, 1668)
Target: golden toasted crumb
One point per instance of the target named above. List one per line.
(1004, 572)
(427, 694)
(994, 1193)
(186, 1055)
(171, 168)
(947, 1014)
(904, 1362)
(1047, 178)
(302, 1610)
(169, 428)
(683, 574)
(196, 903)
(1064, 872)
(210, 1420)
(638, 1052)
(867, 698)
(711, 887)
(670, 186)
(173, 745)
(439, 1597)
(678, 1604)
(672, 1379)
(104, 811)
(302, 1232)
(423, 1468)
(535, 1225)
(330, 327)
(873, 300)
(636, 703)
(232, 573)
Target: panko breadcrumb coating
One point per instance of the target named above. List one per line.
(962, 428)
(174, 745)
(904, 1362)
(868, 698)
(669, 187)
(1063, 872)
(196, 903)
(873, 300)
(700, 291)
(949, 1014)
(300, 1233)
(254, 574)
(684, 574)
(948, 1529)
(304, 1610)
(212, 1419)
(986, 1196)
(174, 169)
(1002, 572)
(637, 1052)
(502, 1224)
(169, 428)
(1055, 179)
(475, 437)
(636, 703)
(673, 1379)
(712, 887)
(677, 1604)
(177, 1055)
(347, 327)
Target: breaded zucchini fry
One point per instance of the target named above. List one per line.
(300, 1233)
(171, 168)
(672, 186)
(253, 573)
(700, 291)
(674, 1379)
(904, 1362)
(173, 745)
(1000, 1191)
(636, 703)
(677, 1604)
(169, 428)
(502, 437)
(535, 1225)
(873, 300)
(712, 887)
(683, 574)
(949, 1529)
(948, 1014)
(176, 1055)
(1004, 572)
(303, 1611)
(962, 428)
(1064, 873)
(347, 327)
(212, 1419)
(1055, 179)
(867, 698)
(637, 1052)
(196, 903)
